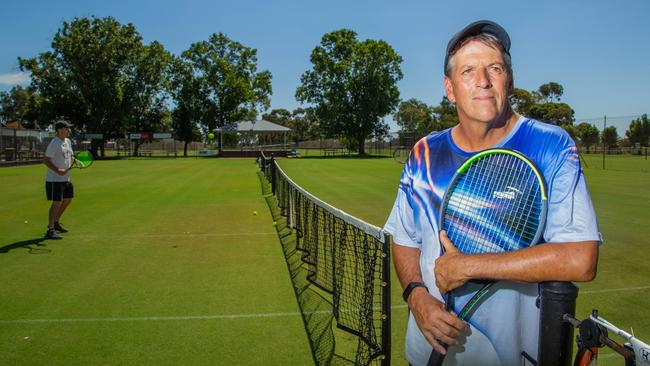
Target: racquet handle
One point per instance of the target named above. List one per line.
(436, 358)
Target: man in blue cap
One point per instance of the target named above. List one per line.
(479, 80)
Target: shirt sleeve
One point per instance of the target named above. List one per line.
(51, 150)
(571, 216)
(401, 223)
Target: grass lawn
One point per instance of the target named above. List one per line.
(164, 264)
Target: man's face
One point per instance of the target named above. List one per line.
(479, 83)
(63, 132)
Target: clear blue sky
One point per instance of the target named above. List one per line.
(598, 50)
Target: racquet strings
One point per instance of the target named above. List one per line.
(495, 206)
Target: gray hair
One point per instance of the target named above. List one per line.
(488, 40)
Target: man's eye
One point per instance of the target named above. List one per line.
(466, 71)
(496, 69)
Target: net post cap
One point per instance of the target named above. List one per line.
(478, 27)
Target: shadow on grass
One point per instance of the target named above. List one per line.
(316, 310)
(349, 157)
(34, 246)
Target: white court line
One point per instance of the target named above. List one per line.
(173, 235)
(229, 316)
(150, 318)
(614, 290)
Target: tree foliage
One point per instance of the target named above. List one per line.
(639, 131)
(412, 115)
(522, 101)
(352, 85)
(543, 104)
(22, 105)
(186, 91)
(609, 137)
(101, 77)
(556, 113)
(280, 116)
(444, 115)
(587, 134)
(229, 86)
(550, 91)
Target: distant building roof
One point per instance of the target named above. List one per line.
(259, 125)
(14, 124)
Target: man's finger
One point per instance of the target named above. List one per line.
(434, 343)
(446, 243)
(454, 321)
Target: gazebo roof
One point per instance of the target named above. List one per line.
(253, 126)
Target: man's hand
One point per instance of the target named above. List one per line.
(437, 324)
(61, 171)
(450, 266)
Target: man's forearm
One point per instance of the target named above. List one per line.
(407, 264)
(49, 164)
(544, 262)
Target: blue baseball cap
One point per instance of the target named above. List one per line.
(478, 27)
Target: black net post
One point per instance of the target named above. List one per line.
(555, 335)
(386, 316)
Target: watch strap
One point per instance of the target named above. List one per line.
(412, 286)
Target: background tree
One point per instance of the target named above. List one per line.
(521, 101)
(22, 105)
(587, 134)
(88, 76)
(609, 137)
(280, 116)
(444, 115)
(352, 86)
(413, 115)
(556, 113)
(187, 91)
(543, 104)
(304, 125)
(550, 91)
(639, 131)
(231, 87)
(146, 91)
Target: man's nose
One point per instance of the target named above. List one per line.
(483, 78)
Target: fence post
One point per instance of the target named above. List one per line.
(272, 174)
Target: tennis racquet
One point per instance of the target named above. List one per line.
(82, 160)
(401, 154)
(495, 203)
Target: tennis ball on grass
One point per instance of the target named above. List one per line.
(254, 213)
(275, 223)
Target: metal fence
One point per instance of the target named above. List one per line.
(23, 144)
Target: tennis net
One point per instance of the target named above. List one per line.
(342, 277)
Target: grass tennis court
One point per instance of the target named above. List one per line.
(166, 264)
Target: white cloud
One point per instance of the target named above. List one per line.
(19, 78)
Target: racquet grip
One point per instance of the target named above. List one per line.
(436, 358)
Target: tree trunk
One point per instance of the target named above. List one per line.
(362, 145)
(94, 146)
(136, 147)
(185, 148)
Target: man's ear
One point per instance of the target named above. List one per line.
(449, 89)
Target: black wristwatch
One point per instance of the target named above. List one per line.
(410, 287)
